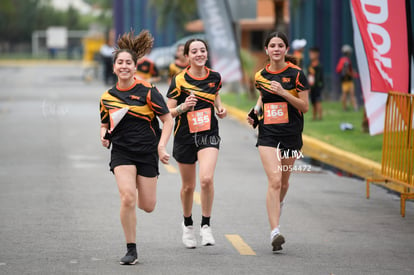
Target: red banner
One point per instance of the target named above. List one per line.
(382, 25)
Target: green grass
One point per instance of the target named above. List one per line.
(328, 129)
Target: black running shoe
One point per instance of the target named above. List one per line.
(130, 258)
(277, 242)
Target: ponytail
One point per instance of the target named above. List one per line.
(137, 46)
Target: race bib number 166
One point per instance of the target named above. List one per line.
(276, 113)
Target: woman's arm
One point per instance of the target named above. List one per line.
(340, 65)
(167, 127)
(175, 110)
(259, 105)
(104, 129)
(301, 103)
(257, 108)
(172, 106)
(220, 110)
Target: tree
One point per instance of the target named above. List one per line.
(16, 19)
(105, 17)
(20, 18)
(280, 24)
(103, 4)
(6, 6)
(179, 11)
(72, 18)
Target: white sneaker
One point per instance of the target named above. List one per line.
(189, 239)
(206, 235)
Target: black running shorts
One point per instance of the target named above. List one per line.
(187, 153)
(315, 96)
(146, 163)
(290, 145)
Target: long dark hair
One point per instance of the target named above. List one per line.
(188, 43)
(137, 46)
(285, 40)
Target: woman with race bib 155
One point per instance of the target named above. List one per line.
(193, 100)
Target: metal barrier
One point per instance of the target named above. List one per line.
(398, 148)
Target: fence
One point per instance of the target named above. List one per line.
(73, 50)
(398, 148)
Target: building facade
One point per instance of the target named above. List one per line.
(138, 15)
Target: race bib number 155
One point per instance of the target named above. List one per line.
(199, 120)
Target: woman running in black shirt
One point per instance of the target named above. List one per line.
(193, 100)
(137, 141)
(283, 100)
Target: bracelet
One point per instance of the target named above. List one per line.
(179, 109)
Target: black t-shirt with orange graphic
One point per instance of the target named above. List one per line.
(175, 68)
(201, 121)
(279, 117)
(138, 130)
(146, 69)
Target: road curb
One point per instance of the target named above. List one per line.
(326, 153)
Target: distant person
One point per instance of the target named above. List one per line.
(179, 64)
(106, 51)
(280, 107)
(147, 70)
(298, 47)
(52, 52)
(316, 82)
(137, 141)
(194, 101)
(345, 69)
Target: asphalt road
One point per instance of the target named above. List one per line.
(59, 204)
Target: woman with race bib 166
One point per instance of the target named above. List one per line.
(193, 100)
(283, 100)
